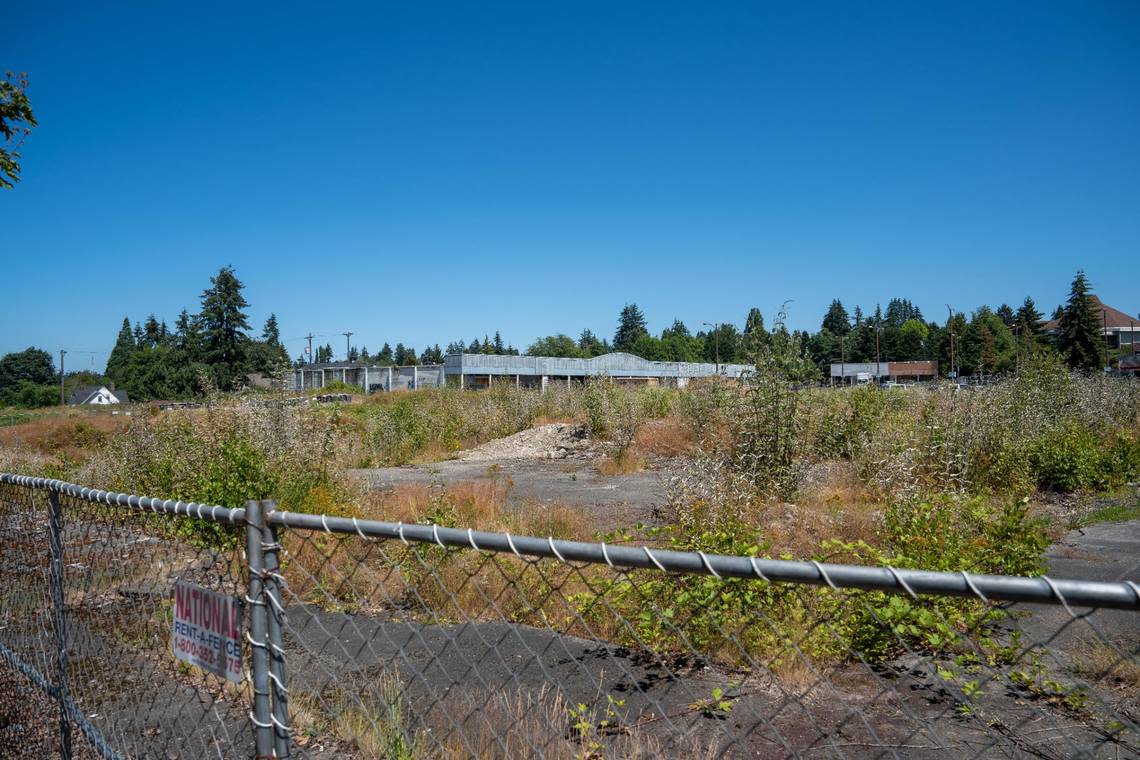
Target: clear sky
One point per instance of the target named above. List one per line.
(423, 172)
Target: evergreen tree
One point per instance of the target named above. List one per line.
(499, 348)
(677, 329)
(857, 317)
(1029, 319)
(125, 345)
(836, 320)
(900, 311)
(1080, 339)
(364, 357)
(223, 326)
(631, 327)
(385, 357)
(590, 346)
(405, 355)
(139, 336)
(755, 338)
(271, 334)
(324, 354)
(186, 337)
(1006, 314)
(152, 332)
(456, 347)
(353, 354)
(476, 347)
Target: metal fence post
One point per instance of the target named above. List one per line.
(55, 545)
(276, 609)
(258, 632)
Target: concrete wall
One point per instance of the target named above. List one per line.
(616, 365)
(377, 378)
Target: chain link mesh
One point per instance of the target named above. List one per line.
(401, 647)
(418, 650)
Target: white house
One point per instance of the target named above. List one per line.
(98, 394)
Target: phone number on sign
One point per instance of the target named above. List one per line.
(207, 656)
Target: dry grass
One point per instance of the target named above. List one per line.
(667, 437)
(478, 504)
(1101, 663)
(623, 464)
(73, 435)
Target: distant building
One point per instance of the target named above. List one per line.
(370, 378)
(99, 395)
(1120, 330)
(855, 373)
(480, 370)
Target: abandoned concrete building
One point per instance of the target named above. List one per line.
(483, 370)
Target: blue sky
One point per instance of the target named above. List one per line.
(423, 172)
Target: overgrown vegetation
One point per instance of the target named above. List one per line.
(942, 476)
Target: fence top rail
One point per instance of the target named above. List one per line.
(211, 512)
(1042, 589)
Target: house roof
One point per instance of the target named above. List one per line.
(1106, 316)
(83, 394)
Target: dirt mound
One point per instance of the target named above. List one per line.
(558, 440)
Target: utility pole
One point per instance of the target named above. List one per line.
(1104, 322)
(842, 362)
(878, 327)
(950, 328)
(347, 349)
(716, 340)
(62, 398)
(309, 338)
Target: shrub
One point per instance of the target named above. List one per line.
(1068, 459)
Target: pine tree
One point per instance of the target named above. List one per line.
(152, 332)
(385, 356)
(836, 320)
(1005, 312)
(857, 317)
(271, 334)
(499, 347)
(1029, 319)
(223, 327)
(186, 337)
(1080, 339)
(125, 347)
(631, 327)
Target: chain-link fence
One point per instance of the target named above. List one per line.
(378, 640)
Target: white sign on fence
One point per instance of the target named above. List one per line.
(207, 630)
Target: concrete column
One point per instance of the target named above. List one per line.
(415, 377)
(365, 380)
(389, 377)
(322, 378)
(544, 381)
(567, 382)
(517, 382)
